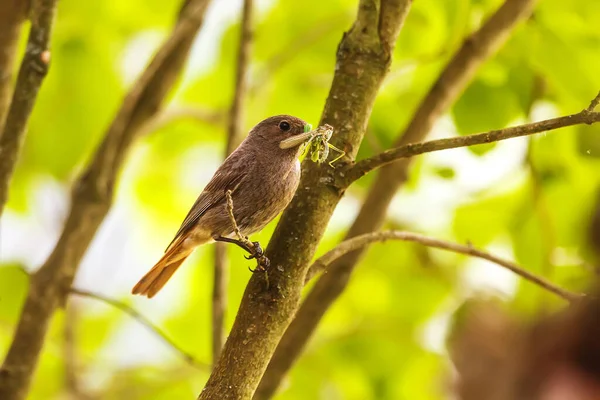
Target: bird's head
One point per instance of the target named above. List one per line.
(283, 131)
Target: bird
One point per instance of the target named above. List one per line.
(262, 175)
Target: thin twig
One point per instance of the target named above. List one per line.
(234, 135)
(366, 165)
(219, 298)
(12, 15)
(136, 315)
(357, 242)
(594, 103)
(34, 68)
(236, 228)
(236, 115)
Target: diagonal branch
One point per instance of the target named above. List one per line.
(133, 313)
(357, 242)
(363, 59)
(91, 199)
(234, 136)
(362, 167)
(236, 114)
(12, 15)
(593, 104)
(34, 68)
(459, 71)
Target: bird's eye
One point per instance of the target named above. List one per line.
(284, 126)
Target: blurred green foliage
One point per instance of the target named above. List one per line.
(379, 340)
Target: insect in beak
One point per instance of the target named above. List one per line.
(297, 140)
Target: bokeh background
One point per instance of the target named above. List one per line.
(530, 199)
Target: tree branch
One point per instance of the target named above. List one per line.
(357, 242)
(34, 68)
(362, 167)
(90, 201)
(12, 15)
(236, 115)
(363, 59)
(453, 79)
(234, 136)
(136, 315)
(594, 103)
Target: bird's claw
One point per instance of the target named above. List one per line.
(256, 252)
(261, 265)
(262, 262)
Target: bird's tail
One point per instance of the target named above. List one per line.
(162, 271)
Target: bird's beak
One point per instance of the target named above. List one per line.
(295, 141)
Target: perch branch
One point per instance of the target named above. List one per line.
(234, 135)
(362, 167)
(34, 68)
(91, 199)
(357, 242)
(136, 315)
(362, 61)
(455, 76)
(12, 15)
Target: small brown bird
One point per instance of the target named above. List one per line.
(262, 174)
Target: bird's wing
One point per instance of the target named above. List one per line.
(228, 177)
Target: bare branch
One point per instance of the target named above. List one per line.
(219, 299)
(594, 103)
(90, 201)
(12, 15)
(133, 313)
(453, 79)
(234, 136)
(236, 116)
(34, 68)
(357, 242)
(364, 166)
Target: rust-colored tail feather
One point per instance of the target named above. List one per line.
(162, 271)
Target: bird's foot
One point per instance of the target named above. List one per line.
(255, 252)
(262, 262)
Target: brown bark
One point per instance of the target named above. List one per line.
(363, 59)
(34, 68)
(12, 15)
(410, 150)
(234, 135)
(450, 84)
(357, 242)
(219, 298)
(90, 201)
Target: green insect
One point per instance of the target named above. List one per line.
(318, 144)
